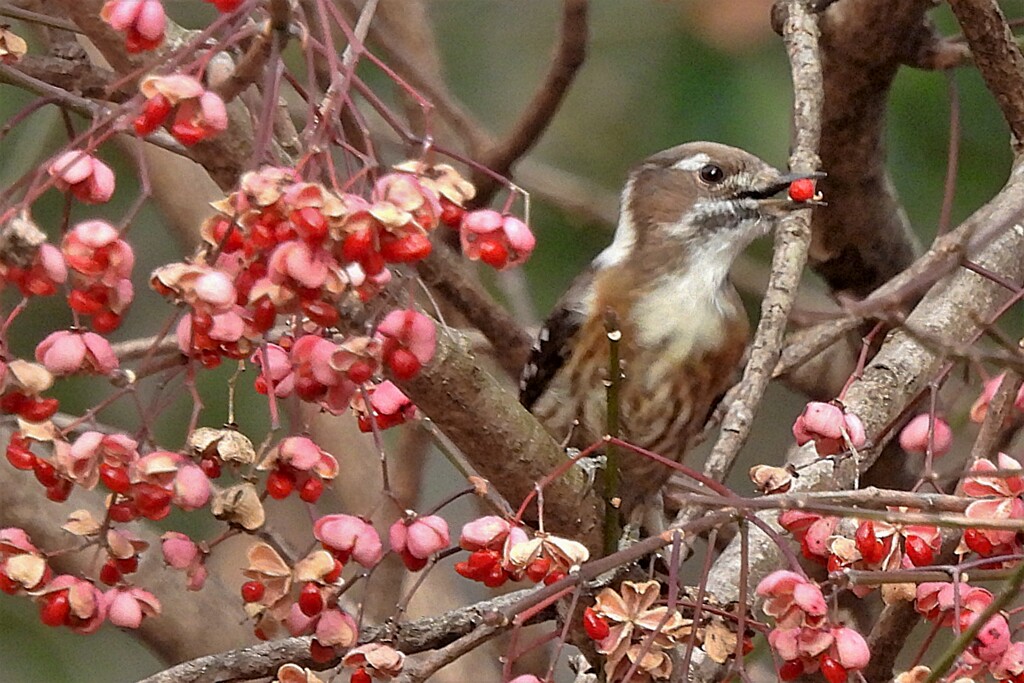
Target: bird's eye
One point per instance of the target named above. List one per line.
(712, 174)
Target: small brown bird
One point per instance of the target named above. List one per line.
(686, 214)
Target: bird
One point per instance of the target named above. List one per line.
(686, 213)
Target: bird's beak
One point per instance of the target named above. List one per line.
(770, 187)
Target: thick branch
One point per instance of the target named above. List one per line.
(997, 56)
(508, 446)
(862, 238)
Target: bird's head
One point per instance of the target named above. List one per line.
(699, 198)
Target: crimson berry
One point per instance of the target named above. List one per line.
(310, 223)
(321, 312)
(791, 670)
(46, 474)
(115, 478)
(496, 577)
(311, 600)
(8, 585)
(39, 409)
(493, 253)
(801, 190)
(357, 245)
(210, 467)
(311, 490)
(60, 491)
(264, 313)
(228, 236)
(260, 633)
(128, 565)
(188, 133)
(360, 676)
(553, 577)
(82, 302)
(412, 247)
(871, 548)
(834, 564)
(105, 321)
(320, 653)
(152, 501)
(280, 484)
(832, 670)
(109, 573)
(334, 574)
(123, 511)
(12, 402)
(55, 608)
(538, 569)
(154, 112)
(360, 372)
(19, 455)
(403, 363)
(413, 563)
(252, 591)
(595, 625)
(225, 6)
(135, 42)
(919, 552)
(451, 213)
(978, 542)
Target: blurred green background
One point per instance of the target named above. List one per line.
(658, 73)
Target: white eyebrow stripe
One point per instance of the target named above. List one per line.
(692, 163)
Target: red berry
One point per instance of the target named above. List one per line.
(496, 577)
(128, 565)
(253, 591)
(60, 491)
(334, 574)
(280, 484)
(538, 569)
(39, 409)
(188, 133)
(493, 253)
(360, 372)
(311, 600)
(123, 511)
(412, 247)
(413, 563)
(12, 402)
(832, 670)
(871, 548)
(451, 213)
(8, 585)
(321, 653)
(55, 608)
(46, 474)
(360, 676)
(152, 501)
(357, 246)
(919, 552)
(82, 302)
(311, 490)
(154, 112)
(553, 577)
(109, 573)
(791, 670)
(310, 223)
(801, 190)
(210, 467)
(115, 478)
(264, 314)
(135, 42)
(403, 363)
(225, 6)
(978, 542)
(19, 455)
(106, 321)
(321, 312)
(595, 625)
